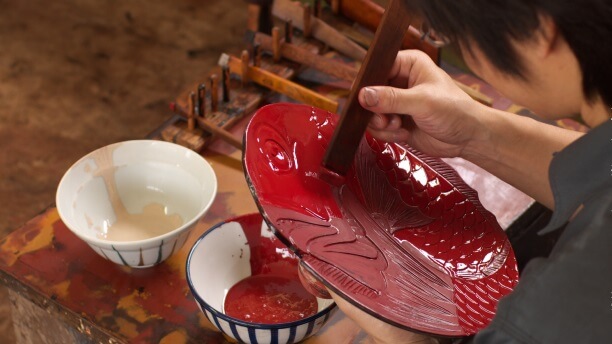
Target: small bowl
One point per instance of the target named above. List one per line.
(136, 181)
(232, 251)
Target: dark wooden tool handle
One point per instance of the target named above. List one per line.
(280, 84)
(305, 57)
(369, 14)
(260, 2)
(210, 127)
(374, 71)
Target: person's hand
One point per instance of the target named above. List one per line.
(442, 118)
(380, 331)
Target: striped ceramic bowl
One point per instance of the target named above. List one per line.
(135, 180)
(228, 253)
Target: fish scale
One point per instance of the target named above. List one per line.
(466, 245)
(441, 205)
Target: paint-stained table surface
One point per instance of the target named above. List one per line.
(48, 268)
(47, 264)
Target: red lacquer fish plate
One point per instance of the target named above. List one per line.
(403, 237)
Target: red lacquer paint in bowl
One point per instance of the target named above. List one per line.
(247, 283)
(270, 299)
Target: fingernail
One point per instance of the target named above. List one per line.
(370, 96)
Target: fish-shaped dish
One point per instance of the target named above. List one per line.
(403, 237)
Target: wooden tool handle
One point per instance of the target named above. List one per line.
(260, 2)
(210, 127)
(476, 95)
(302, 56)
(369, 14)
(279, 84)
(374, 71)
(259, 15)
(219, 132)
(289, 10)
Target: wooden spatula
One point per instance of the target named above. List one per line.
(374, 71)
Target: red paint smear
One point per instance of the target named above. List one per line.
(97, 285)
(268, 254)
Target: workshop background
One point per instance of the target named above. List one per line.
(76, 75)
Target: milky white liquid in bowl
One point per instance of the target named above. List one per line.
(153, 221)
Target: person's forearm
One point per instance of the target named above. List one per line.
(518, 150)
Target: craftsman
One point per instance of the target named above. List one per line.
(555, 58)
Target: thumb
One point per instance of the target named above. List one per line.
(386, 99)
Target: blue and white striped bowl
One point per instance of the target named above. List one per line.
(230, 252)
(144, 172)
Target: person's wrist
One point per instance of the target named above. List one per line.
(481, 143)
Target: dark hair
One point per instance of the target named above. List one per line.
(586, 25)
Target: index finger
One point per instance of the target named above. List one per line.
(406, 66)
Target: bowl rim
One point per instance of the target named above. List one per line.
(228, 318)
(144, 242)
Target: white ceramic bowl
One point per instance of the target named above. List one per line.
(230, 252)
(144, 173)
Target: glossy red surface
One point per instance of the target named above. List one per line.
(273, 293)
(403, 237)
(269, 256)
(269, 299)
